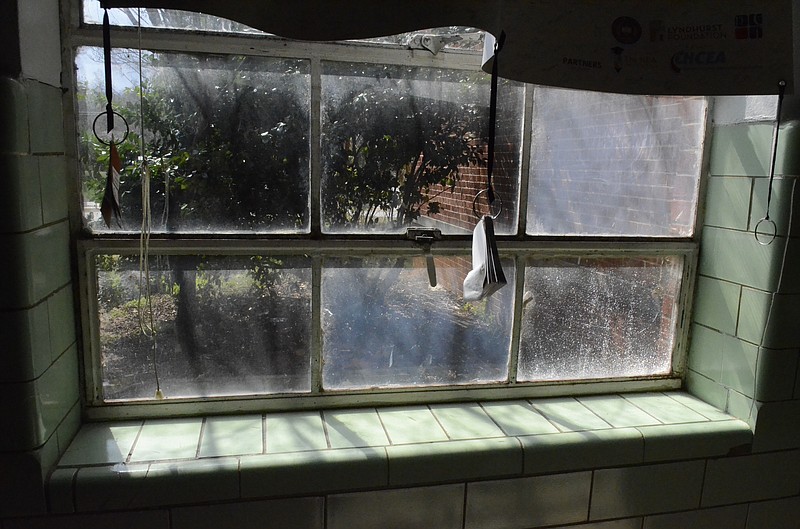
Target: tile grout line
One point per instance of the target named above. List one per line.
(264, 434)
(200, 438)
(435, 418)
(385, 430)
(135, 442)
(325, 428)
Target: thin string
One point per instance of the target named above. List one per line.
(774, 154)
(498, 45)
(146, 317)
(107, 65)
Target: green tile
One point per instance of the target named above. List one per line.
(743, 149)
(44, 102)
(21, 485)
(716, 304)
(61, 315)
(102, 443)
(109, 488)
(741, 406)
(705, 351)
(663, 408)
(753, 314)
(735, 256)
(167, 439)
(617, 411)
(14, 116)
(20, 200)
(411, 424)
(518, 417)
(229, 436)
(354, 428)
(774, 514)
(313, 472)
(53, 178)
(189, 482)
(60, 491)
(528, 502)
(695, 440)
(69, 427)
(569, 415)
(424, 463)
(628, 523)
(703, 408)
(564, 452)
(776, 374)
(57, 391)
(440, 507)
(634, 491)
(710, 391)
(151, 519)
(465, 421)
(25, 335)
(751, 478)
(306, 513)
(732, 517)
(739, 365)
(780, 204)
(777, 426)
(728, 202)
(292, 432)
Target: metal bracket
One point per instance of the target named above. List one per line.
(425, 237)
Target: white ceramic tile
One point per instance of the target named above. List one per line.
(465, 421)
(101, 443)
(354, 428)
(569, 415)
(167, 439)
(518, 418)
(411, 424)
(617, 411)
(229, 436)
(296, 431)
(663, 408)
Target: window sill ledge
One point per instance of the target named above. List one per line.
(115, 466)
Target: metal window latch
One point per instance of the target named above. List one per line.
(432, 43)
(425, 237)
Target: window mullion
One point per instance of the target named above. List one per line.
(316, 146)
(525, 162)
(316, 325)
(516, 325)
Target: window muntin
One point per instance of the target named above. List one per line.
(523, 249)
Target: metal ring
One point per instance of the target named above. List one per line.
(475, 201)
(765, 238)
(94, 128)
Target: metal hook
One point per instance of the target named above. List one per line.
(475, 201)
(765, 238)
(124, 136)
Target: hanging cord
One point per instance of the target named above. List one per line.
(146, 317)
(766, 238)
(107, 65)
(498, 45)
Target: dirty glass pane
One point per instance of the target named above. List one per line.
(407, 145)
(598, 318)
(226, 141)
(223, 326)
(614, 164)
(384, 325)
(162, 18)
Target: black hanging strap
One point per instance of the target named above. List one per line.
(498, 45)
(107, 59)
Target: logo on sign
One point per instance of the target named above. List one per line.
(749, 26)
(697, 59)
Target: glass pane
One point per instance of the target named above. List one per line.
(453, 38)
(599, 318)
(226, 140)
(223, 326)
(162, 18)
(383, 325)
(406, 145)
(612, 164)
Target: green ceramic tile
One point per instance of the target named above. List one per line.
(109, 488)
(60, 491)
(189, 482)
(777, 426)
(716, 304)
(354, 428)
(465, 421)
(167, 439)
(58, 391)
(728, 202)
(617, 411)
(773, 514)
(22, 429)
(425, 463)
(739, 365)
(780, 204)
(61, 315)
(751, 478)
(293, 432)
(743, 149)
(627, 523)
(101, 443)
(564, 452)
(703, 408)
(528, 502)
(753, 314)
(25, 335)
(229, 436)
(663, 408)
(736, 256)
(741, 406)
(151, 519)
(710, 391)
(411, 424)
(20, 201)
(695, 440)
(791, 281)
(732, 517)
(441, 507)
(69, 428)
(306, 513)
(776, 374)
(313, 472)
(21, 485)
(14, 116)
(518, 417)
(44, 102)
(569, 415)
(705, 351)
(634, 491)
(53, 178)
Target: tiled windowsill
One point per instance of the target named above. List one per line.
(112, 466)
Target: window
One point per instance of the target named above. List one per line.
(284, 178)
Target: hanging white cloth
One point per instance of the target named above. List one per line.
(486, 276)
